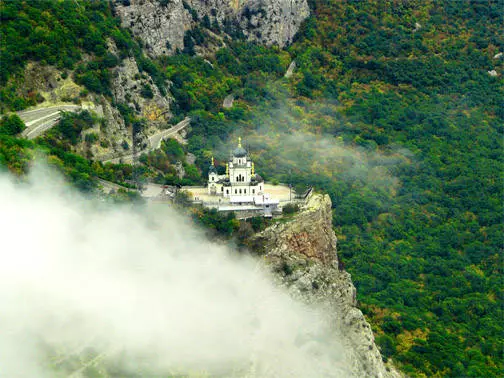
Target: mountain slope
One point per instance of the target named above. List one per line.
(394, 109)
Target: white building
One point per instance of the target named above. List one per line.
(240, 179)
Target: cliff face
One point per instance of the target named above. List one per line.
(138, 90)
(161, 24)
(303, 254)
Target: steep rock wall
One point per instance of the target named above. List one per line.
(161, 24)
(302, 252)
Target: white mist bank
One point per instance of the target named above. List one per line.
(147, 286)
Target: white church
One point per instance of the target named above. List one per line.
(240, 185)
(240, 178)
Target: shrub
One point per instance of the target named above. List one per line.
(91, 138)
(11, 125)
(290, 208)
(146, 91)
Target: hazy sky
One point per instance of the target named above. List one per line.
(147, 292)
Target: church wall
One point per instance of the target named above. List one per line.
(236, 172)
(213, 177)
(246, 190)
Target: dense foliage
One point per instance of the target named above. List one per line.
(168, 165)
(70, 35)
(426, 259)
(11, 125)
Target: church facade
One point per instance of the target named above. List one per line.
(240, 179)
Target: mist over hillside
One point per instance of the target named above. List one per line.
(87, 288)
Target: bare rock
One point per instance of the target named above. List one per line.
(268, 22)
(290, 70)
(161, 25)
(51, 83)
(190, 158)
(140, 92)
(228, 101)
(180, 170)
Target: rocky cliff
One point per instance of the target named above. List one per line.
(303, 254)
(162, 24)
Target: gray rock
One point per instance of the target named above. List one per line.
(156, 24)
(127, 86)
(162, 27)
(271, 22)
(290, 70)
(180, 170)
(228, 101)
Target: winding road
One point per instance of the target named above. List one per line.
(156, 139)
(38, 121)
(149, 190)
(154, 142)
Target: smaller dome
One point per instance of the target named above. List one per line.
(257, 178)
(239, 151)
(212, 169)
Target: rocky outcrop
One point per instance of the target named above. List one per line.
(58, 87)
(139, 92)
(271, 22)
(302, 252)
(115, 137)
(111, 136)
(162, 24)
(52, 84)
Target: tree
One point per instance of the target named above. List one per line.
(11, 125)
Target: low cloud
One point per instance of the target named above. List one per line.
(306, 140)
(88, 289)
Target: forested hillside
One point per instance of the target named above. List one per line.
(394, 109)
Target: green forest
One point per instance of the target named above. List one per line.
(391, 111)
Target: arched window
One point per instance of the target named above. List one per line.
(240, 191)
(222, 189)
(245, 191)
(236, 191)
(253, 191)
